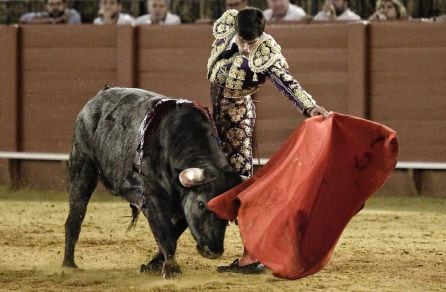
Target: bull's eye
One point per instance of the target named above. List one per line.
(200, 205)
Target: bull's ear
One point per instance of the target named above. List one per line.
(193, 176)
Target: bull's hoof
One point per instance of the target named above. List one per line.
(170, 271)
(144, 269)
(154, 266)
(69, 264)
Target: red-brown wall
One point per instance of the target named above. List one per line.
(408, 86)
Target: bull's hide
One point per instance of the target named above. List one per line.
(294, 209)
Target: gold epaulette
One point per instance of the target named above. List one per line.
(225, 26)
(265, 54)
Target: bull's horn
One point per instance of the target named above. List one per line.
(191, 176)
(244, 177)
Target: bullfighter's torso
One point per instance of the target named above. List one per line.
(241, 75)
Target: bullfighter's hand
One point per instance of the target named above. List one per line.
(318, 110)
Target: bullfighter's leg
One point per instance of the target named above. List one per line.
(157, 261)
(161, 225)
(83, 179)
(235, 120)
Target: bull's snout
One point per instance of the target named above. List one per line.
(206, 252)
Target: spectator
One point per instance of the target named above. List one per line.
(389, 10)
(158, 14)
(336, 10)
(188, 11)
(283, 10)
(236, 4)
(110, 12)
(56, 13)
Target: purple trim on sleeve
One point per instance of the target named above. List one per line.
(284, 87)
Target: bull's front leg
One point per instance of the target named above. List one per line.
(157, 261)
(159, 216)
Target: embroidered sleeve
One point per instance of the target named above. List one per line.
(290, 87)
(223, 31)
(267, 58)
(265, 54)
(225, 26)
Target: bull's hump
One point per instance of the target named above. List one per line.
(117, 94)
(117, 102)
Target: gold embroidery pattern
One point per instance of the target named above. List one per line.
(216, 51)
(235, 72)
(236, 77)
(231, 93)
(265, 54)
(218, 73)
(224, 27)
(234, 84)
(233, 80)
(223, 32)
(236, 122)
(304, 97)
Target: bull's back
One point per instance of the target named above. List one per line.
(108, 129)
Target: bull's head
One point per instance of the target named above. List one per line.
(201, 186)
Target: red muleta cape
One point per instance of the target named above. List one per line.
(293, 210)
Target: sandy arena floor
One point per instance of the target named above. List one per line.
(394, 244)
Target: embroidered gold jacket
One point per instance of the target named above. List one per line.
(240, 75)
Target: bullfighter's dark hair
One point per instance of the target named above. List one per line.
(250, 23)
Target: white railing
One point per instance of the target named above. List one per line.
(256, 161)
(33, 156)
(399, 165)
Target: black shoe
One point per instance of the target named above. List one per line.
(254, 268)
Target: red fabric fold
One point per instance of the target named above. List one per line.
(293, 210)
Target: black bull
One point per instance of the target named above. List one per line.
(178, 168)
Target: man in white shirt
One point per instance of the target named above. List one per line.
(336, 10)
(283, 10)
(158, 14)
(110, 13)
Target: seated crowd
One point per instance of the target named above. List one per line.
(110, 12)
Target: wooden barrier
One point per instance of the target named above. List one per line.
(408, 86)
(328, 61)
(61, 68)
(9, 101)
(173, 61)
(393, 73)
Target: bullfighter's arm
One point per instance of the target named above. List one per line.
(266, 58)
(291, 88)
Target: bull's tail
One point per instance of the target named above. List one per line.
(137, 203)
(135, 216)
